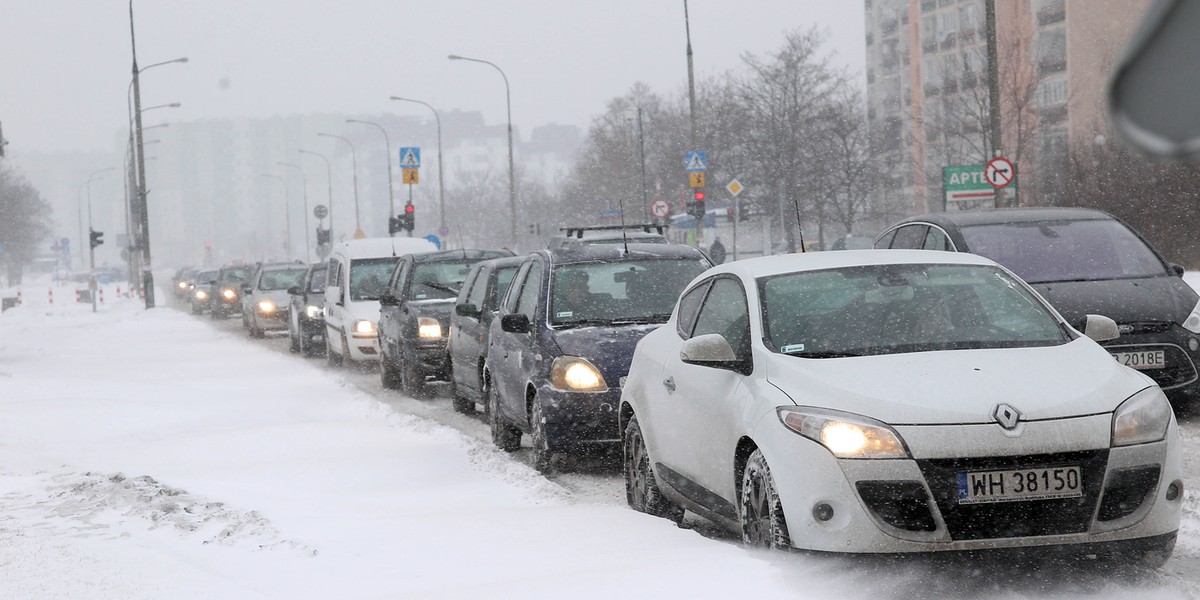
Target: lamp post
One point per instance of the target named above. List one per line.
(642, 159)
(358, 232)
(441, 165)
(91, 248)
(287, 212)
(304, 190)
(87, 185)
(388, 146)
(329, 181)
(512, 182)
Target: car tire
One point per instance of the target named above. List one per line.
(333, 359)
(641, 488)
(760, 511)
(197, 309)
(413, 380)
(506, 437)
(387, 374)
(215, 314)
(543, 456)
(461, 403)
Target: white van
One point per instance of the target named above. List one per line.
(358, 274)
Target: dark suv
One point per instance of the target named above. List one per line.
(565, 337)
(306, 317)
(227, 290)
(474, 311)
(1083, 262)
(414, 316)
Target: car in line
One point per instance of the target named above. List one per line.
(200, 289)
(265, 296)
(879, 401)
(306, 304)
(226, 297)
(414, 316)
(561, 347)
(1084, 261)
(358, 272)
(467, 342)
(180, 282)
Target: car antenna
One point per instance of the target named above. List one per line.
(624, 237)
(799, 225)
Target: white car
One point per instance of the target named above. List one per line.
(897, 401)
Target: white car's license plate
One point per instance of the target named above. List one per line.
(1146, 359)
(980, 487)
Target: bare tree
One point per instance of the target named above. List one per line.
(24, 222)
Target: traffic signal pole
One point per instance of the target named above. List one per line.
(143, 214)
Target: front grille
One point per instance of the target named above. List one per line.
(1179, 369)
(1018, 518)
(1126, 490)
(1146, 327)
(901, 504)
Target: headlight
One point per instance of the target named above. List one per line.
(576, 374)
(266, 306)
(229, 293)
(364, 328)
(1141, 419)
(429, 328)
(1192, 322)
(201, 295)
(182, 285)
(843, 434)
(313, 312)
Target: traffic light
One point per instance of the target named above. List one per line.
(97, 237)
(395, 224)
(409, 218)
(322, 236)
(696, 206)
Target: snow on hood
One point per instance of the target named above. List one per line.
(609, 348)
(961, 386)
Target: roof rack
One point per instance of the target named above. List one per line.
(645, 227)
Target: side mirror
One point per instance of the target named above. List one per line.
(467, 310)
(294, 290)
(1100, 328)
(1178, 270)
(707, 349)
(247, 289)
(334, 293)
(515, 323)
(389, 299)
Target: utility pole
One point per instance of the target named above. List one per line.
(144, 226)
(994, 91)
(692, 108)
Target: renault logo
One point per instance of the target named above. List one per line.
(1007, 416)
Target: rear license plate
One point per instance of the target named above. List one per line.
(1146, 359)
(981, 487)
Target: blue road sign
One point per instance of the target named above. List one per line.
(410, 157)
(65, 242)
(696, 160)
(1, 248)
(435, 240)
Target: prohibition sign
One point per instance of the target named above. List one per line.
(660, 209)
(999, 172)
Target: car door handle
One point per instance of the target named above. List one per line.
(669, 383)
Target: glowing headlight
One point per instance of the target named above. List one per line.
(201, 295)
(266, 306)
(229, 293)
(312, 312)
(1141, 419)
(364, 328)
(182, 285)
(576, 374)
(429, 328)
(844, 434)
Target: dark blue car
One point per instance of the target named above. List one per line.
(565, 337)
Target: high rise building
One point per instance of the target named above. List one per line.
(927, 87)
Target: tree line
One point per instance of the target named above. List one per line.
(24, 222)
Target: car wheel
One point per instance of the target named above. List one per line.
(215, 314)
(413, 379)
(641, 488)
(505, 436)
(345, 359)
(760, 510)
(387, 373)
(543, 456)
(332, 358)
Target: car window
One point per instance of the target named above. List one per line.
(503, 281)
(886, 309)
(369, 277)
(726, 312)
(936, 240)
(530, 291)
(910, 237)
(1071, 250)
(689, 305)
(630, 290)
(280, 279)
(475, 289)
(885, 240)
(316, 283)
(398, 276)
(438, 280)
(509, 299)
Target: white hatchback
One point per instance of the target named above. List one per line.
(897, 401)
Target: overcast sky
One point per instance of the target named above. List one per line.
(65, 64)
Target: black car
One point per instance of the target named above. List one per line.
(414, 316)
(474, 310)
(565, 337)
(306, 318)
(226, 297)
(1083, 262)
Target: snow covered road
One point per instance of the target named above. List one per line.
(158, 455)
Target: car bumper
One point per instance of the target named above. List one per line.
(275, 321)
(363, 349)
(433, 361)
(910, 505)
(580, 421)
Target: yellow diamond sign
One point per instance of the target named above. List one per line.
(735, 187)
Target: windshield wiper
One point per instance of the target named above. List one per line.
(583, 323)
(642, 320)
(439, 286)
(822, 353)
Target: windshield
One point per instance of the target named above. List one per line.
(1083, 250)
(887, 309)
(235, 274)
(369, 277)
(316, 285)
(207, 276)
(630, 291)
(439, 280)
(280, 279)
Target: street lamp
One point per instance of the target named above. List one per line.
(304, 189)
(642, 158)
(512, 183)
(87, 185)
(358, 232)
(287, 212)
(441, 165)
(388, 145)
(329, 181)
